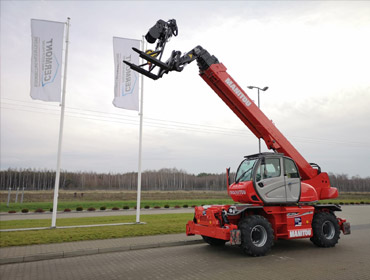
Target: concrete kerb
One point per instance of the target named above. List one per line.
(69, 212)
(85, 252)
(63, 227)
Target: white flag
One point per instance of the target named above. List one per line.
(46, 61)
(126, 81)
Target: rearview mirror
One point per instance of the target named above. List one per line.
(228, 177)
(263, 161)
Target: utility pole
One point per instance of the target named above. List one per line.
(258, 90)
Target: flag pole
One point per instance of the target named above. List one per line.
(62, 105)
(140, 146)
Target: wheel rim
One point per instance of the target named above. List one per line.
(258, 236)
(328, 229)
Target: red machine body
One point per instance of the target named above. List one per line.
(248, 112)
(275, 191)
(287, 220)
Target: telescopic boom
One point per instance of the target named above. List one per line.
(215, 75)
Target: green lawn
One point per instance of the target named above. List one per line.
(155, 224)
(32, 206)
(151, 199)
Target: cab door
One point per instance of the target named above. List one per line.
(269, 180)
(292, 180)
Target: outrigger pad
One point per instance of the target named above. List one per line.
(235, 237)
(346, 228)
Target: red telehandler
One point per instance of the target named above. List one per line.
(275, 192)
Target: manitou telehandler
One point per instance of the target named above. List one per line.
(275, 192)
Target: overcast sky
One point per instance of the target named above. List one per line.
(313, 55)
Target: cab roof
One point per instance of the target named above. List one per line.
(261, 155)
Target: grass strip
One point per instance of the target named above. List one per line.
(46, 206)
(155, 224)
(345, 201)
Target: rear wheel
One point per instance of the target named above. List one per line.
(214, 241)
(257, 235)
(325, 229)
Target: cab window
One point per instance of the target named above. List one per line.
(270, 168)
(245, 170)
(291, 170)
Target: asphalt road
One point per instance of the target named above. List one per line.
(294, 259)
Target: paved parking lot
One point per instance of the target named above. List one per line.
(298, 259)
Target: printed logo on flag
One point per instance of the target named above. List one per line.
(47, 51)
(130, 78)
(46, 63)
(127, 78)
(126, 81)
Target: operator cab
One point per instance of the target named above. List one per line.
(274, 177)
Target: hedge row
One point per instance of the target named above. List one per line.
(126, 207)
(102, 208)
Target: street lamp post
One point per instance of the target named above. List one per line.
(258, 91)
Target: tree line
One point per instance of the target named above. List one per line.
(166, 179)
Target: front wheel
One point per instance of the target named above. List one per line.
(214, 241)
(325, 229)
(257, 235)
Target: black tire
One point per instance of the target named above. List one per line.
(325, 230)
(257, 235)
(214, 241)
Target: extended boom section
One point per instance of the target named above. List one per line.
(276, 191)
(249, 113)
